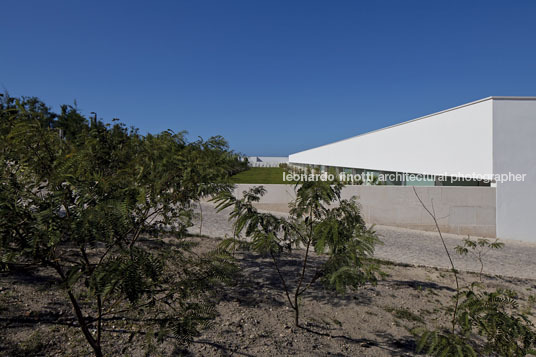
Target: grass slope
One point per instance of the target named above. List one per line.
(260, 175)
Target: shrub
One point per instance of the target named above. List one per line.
(478, 249)
(487, 324)
(319, 221)
(93, 207)
(483, 323)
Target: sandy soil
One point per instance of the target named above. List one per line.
(254, 317)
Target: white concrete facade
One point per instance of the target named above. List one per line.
(514, 150)
(460, 210)
(453, 141)
(495, 135)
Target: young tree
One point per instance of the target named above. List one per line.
(431, 212)
(487, 324)
(483, 323)
(478, 249)
(93, 209)
(319, 221)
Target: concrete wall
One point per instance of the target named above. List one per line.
(460, 210)
(514, 150)
(452, 142)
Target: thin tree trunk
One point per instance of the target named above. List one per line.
(99, 319)
(287, 293)
(296, 311)
(80, 317)
(300, 282)
(200, 218)
(454, 271)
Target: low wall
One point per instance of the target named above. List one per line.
(460, 210)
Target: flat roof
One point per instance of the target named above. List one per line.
(426, 116)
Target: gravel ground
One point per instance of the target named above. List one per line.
(254, 317)
(408, 246)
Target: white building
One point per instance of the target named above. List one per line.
(267, 161)
(489, 137)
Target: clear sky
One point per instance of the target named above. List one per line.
(272, 77)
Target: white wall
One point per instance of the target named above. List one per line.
(514, 148)
(460, 210)
(449, 142)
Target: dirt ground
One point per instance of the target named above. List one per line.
(254, 316)
(410, 246)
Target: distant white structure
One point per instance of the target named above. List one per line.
(490, 137)
(267, 161)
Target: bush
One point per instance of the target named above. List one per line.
(93, 204)
(487, 324)
(319, 221)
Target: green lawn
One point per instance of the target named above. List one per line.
(260, 175)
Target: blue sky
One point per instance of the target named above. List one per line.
(272, 77)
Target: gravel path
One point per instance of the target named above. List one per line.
(516, 259)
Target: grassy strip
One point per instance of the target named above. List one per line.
(260, 175)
